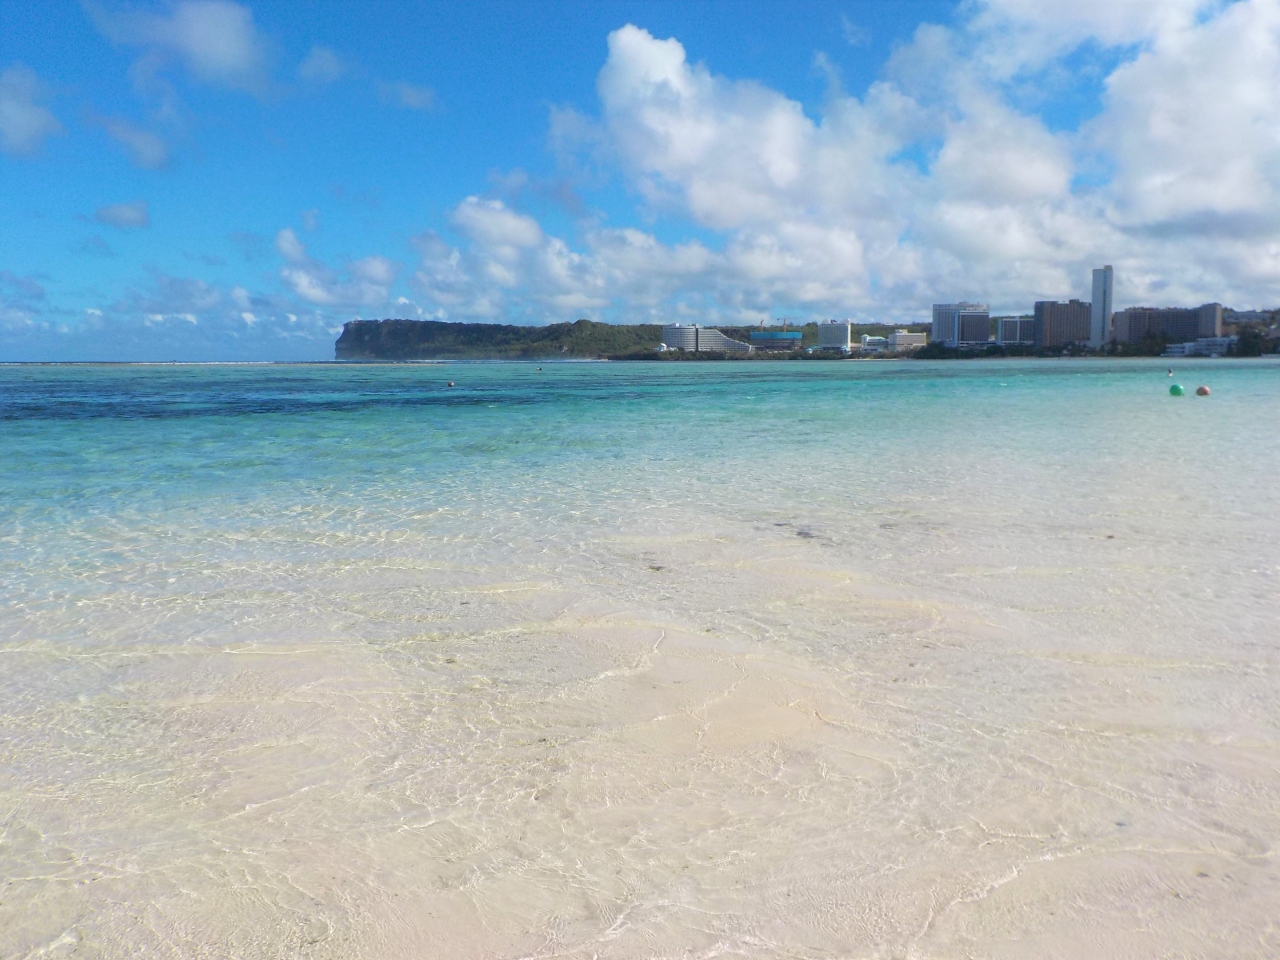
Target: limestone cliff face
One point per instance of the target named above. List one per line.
(384, 340)
(433, 339)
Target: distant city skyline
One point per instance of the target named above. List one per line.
(1095, 323)
(212, 179)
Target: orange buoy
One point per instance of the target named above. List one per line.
(1202, 391)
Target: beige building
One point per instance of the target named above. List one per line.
(906, 340)
(1058, 324)
(1173, 324)
(872, 344)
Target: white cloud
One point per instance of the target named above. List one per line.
(290, 247)
(216, 40)
(124, 215)
(367, 284)
(374, 270)
(1192, 124)
(509, 267)
(854, 35)
(170, 318)
(1015, 35)
(24, 122)
(730, 153)
(807, 208)
(322, 65)
(501, 230)
(994, 155)
(308, 286)
(941, 180)
(932, 185)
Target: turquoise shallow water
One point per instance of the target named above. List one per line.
(103, 459)
(618, 659)
(779, 437)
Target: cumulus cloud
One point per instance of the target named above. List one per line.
(290, 247)
(934, 184)
(941, 180)
(1192, 123)
(124, 215)
(805, 208)
(1017, 35)
(509, 267)
(322, 65)
(168, 318)
(854, 35)
(24, 122)
(502, 231)
(364, 283)
(216, 40)
(827, 214)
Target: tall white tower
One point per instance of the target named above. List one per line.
(1100, 314)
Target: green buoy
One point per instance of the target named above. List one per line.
(1176, 390)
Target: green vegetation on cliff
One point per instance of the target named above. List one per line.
(434, 340)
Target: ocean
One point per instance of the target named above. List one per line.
(621, 660)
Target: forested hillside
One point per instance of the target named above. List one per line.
(433, 340)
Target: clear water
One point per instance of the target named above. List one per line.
(630, 660)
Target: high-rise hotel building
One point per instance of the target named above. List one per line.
(697, 339)
(961, 324)
(835, 335)
(1015, 331)
(1058, 324)
(1102, 309)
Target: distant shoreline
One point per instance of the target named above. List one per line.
(574, 361)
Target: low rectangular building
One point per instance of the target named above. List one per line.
(1172, 324)
(1201, 347)
(906, 340)
(872, 344)
(776, 339)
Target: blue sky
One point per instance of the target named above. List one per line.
(206, 179)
